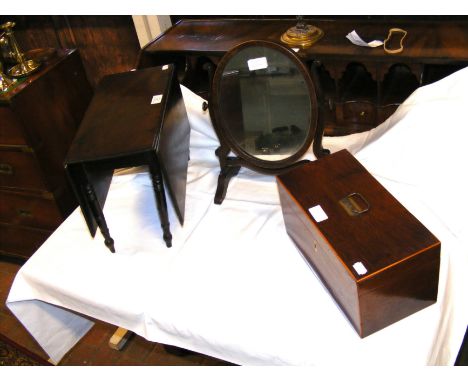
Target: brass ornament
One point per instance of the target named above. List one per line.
(396, 31)
(5, 83)
(23, 67)
(302, 35)
(6, 53)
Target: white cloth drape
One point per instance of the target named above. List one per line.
(233, 285)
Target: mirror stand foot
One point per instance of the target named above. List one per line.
(319, 150)
(227, 172)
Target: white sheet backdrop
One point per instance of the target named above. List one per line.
(233, 285)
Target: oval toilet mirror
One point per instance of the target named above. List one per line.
(263, 107)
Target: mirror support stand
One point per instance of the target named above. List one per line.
(230, 167)
(317, 146)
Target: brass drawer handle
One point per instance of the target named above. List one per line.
(6, 169)
(25, 213)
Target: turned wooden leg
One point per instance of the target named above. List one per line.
(157, 179)
(99, 217)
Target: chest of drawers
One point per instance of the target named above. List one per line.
(38, 120)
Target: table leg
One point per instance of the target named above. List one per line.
(157, 179)
(99, 217)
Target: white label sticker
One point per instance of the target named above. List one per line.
(165, 67)
(318, 213)
(156, 99)
(257, 63)
(360, 268)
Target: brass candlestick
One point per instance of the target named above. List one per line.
(23, 67)
(302, 35)
(5, 83)
(5, 50)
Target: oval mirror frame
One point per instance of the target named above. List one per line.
(224, 134)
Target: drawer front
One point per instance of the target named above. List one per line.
(29, 210)
(20, 170)
(21, 241)
(10, 128)
(359, 112)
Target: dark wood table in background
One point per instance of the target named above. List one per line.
(359, 86)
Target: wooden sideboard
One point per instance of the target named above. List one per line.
(39, 118)
(359, 87)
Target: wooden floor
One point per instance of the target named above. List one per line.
(93, 348)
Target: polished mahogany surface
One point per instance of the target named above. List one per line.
(39, 118)
(332, 178)
(123, 118)
(380, 264)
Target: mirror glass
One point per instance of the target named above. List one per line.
(264, 103)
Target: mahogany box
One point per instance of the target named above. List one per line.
(376, 259)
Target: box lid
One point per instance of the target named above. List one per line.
(125, 115)
(380, 234)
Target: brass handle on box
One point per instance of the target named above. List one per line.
(6, 169)
(355, 204)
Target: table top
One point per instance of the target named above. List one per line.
(125, 115)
